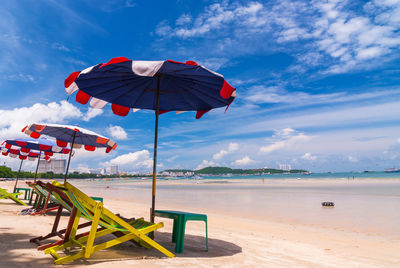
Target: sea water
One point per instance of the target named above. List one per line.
(369, 203)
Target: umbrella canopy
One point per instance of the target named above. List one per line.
(31, 156)
(43, 145)
(40, 145)
(76, 136)
(65, 134)
(14, 153)
(162, 86)
(134, 84)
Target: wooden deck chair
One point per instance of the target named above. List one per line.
(65, 203)
(86, 207)
(13, 196)
(46, 202)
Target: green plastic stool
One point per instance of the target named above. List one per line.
(98, 199)
(180, 218)
(27, 192)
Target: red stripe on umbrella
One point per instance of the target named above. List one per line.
(62, 143)
(25, 150)
(199, 114)
(162, 112)
(20, 143)
(82, 97)
(39, 128)
(120, 110)
(190, 62)
(71, 78)
(35, 135)
(43, 147)
(115, 60)
(226, 90)
(89, 148)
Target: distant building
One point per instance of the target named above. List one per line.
(112, 170)
(56, 166)
(97, 171)
(287, 167)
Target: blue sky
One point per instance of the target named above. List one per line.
(317, 81)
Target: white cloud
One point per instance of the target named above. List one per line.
(232, 147)
(260, 94)
(309, 156)
(205, 163)
(285, 139)
(244, 161)
(12, 121)
(214, 63)
(215, 17)
(91, 113)
(136, 160)
(339, 37)
(117, 133)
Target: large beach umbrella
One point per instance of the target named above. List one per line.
(76, 136)
(31, 156)
(40, 145)
(161, 86)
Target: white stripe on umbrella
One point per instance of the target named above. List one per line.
(146, 68)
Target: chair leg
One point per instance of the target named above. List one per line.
(180, 239)
(93, 229)
(174, 230)
(206, 235)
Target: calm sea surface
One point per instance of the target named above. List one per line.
(369, 203)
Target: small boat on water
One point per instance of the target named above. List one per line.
(391, 170)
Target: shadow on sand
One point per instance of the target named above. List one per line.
(22, 253)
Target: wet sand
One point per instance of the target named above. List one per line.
(265, 240)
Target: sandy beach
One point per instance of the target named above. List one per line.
(234, 241)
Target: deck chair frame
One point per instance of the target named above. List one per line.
(46, 201)
(4, 194)
(86, 207)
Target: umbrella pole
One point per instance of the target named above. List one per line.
(37, 166)
(34, 181)
(16, 180)
(69, 158)
(153, 192)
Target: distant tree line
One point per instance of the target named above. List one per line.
(6, 172)
(238, 171)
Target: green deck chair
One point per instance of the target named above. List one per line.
(86, 207)
(13, 196)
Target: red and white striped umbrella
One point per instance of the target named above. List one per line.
(31, 156)
(76, 136)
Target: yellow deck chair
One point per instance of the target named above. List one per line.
(86, 207)
(4, 194)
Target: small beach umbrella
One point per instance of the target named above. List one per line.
(31, 156)
(76, 136)
(41, 145)
(161, 86)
